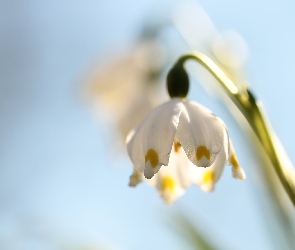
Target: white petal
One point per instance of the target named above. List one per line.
(149, 145)
(207, 177)
(207, 186)
(237, 171)
(201, 134)
(226, 139)
(218, 165)
(135, 178)
(134, 147)
(168, 188)
(171, 181)
(231, 151)
(179, 163)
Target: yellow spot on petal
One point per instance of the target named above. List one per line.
(177, 145)
(153, 157)
(202, 151)
(168, 184)
(208, 176)
(234, 161)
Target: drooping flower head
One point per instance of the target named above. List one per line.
(180, 142)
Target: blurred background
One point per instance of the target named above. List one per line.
(76, 76)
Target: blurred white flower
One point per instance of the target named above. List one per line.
(181, 142)
(227, 48)
(125, 89)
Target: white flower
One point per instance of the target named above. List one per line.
(186, 143)
(200, 133)
(125, 88)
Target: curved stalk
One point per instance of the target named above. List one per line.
(250, 108)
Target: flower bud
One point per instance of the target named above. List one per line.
(177, 81)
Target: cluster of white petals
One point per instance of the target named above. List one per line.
(180, 142)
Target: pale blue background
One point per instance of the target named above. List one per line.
(59, 188)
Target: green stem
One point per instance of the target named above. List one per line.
(250, 108)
